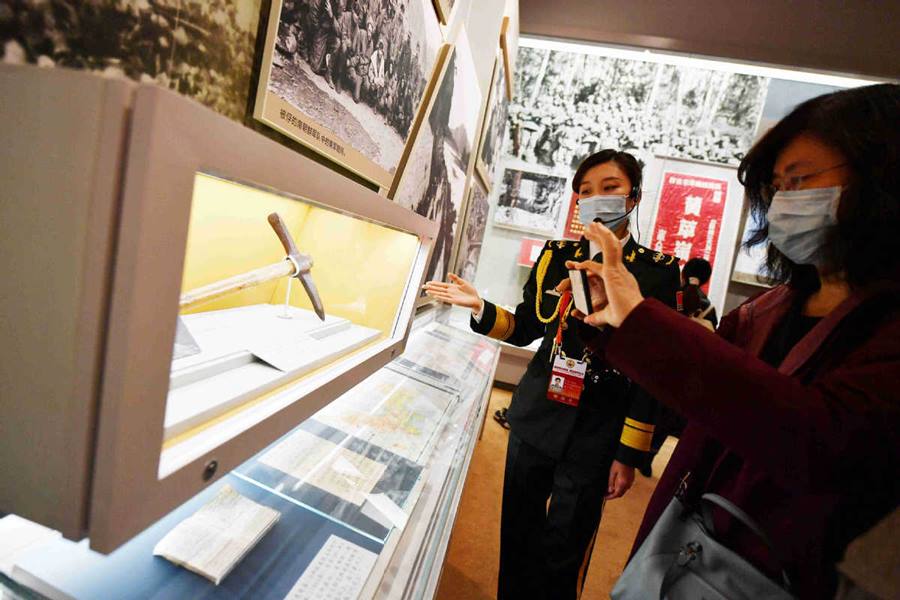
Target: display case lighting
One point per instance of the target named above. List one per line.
(697, 62)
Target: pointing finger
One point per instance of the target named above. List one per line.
(609, 243)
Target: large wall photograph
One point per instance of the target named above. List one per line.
(347, 78)
(434, 180)
(201, 49)
(570, 104)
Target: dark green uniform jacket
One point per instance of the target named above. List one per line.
(614, 418)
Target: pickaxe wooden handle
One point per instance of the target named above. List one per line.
(296, 264)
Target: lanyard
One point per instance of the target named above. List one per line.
(564, 301)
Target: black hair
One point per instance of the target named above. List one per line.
(632, 167)
(862, 124)
(699, 268)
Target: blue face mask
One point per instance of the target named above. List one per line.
(609, 210)
(800, 220)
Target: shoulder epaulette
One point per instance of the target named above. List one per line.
(568, 249)
(655, 257)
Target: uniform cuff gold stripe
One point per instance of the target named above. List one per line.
(647, 427)
(635, 438)
(504, 324)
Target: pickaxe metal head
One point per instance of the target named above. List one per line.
(302, 263)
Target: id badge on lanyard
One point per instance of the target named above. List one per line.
(566, 374)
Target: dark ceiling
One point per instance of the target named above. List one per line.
(855, 37)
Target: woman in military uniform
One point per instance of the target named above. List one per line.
(579, 447)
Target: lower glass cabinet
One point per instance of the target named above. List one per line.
(356, 502)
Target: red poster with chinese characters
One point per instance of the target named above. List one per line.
(689, 216)
(529, 251)
(574, 229)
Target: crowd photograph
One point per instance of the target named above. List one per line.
(359, 68)
(570, 104)
(201, 49)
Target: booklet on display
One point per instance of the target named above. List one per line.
(216, 537)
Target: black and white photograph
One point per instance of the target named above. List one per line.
(435, 178)
(492, 136)
(570, 104)
(201, 49)
(473, 232)
(530, 201)
(347, 78)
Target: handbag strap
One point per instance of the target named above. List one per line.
(739, 514)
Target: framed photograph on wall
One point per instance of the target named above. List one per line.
(473, 230)
(698, 212)
(348, 79)
(492, 134)
(435, 176)
(530, 201)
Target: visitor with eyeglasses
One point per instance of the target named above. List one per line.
(793, 437)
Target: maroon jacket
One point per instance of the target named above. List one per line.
(809, 450)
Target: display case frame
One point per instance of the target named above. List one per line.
(171, 140)
(61, 142)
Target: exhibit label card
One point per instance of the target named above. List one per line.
(215, 538)
(338, 572)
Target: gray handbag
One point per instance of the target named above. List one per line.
(681, 559)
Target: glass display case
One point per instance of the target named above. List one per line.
(251, 287)
(183, 294)
(273, 289)
(366, 490)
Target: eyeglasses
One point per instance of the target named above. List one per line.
(793, 182)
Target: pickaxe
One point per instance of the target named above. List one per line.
(296, 264)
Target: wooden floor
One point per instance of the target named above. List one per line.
(470, 570)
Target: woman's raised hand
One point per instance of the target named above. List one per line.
(458, 292)
(622, 291)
